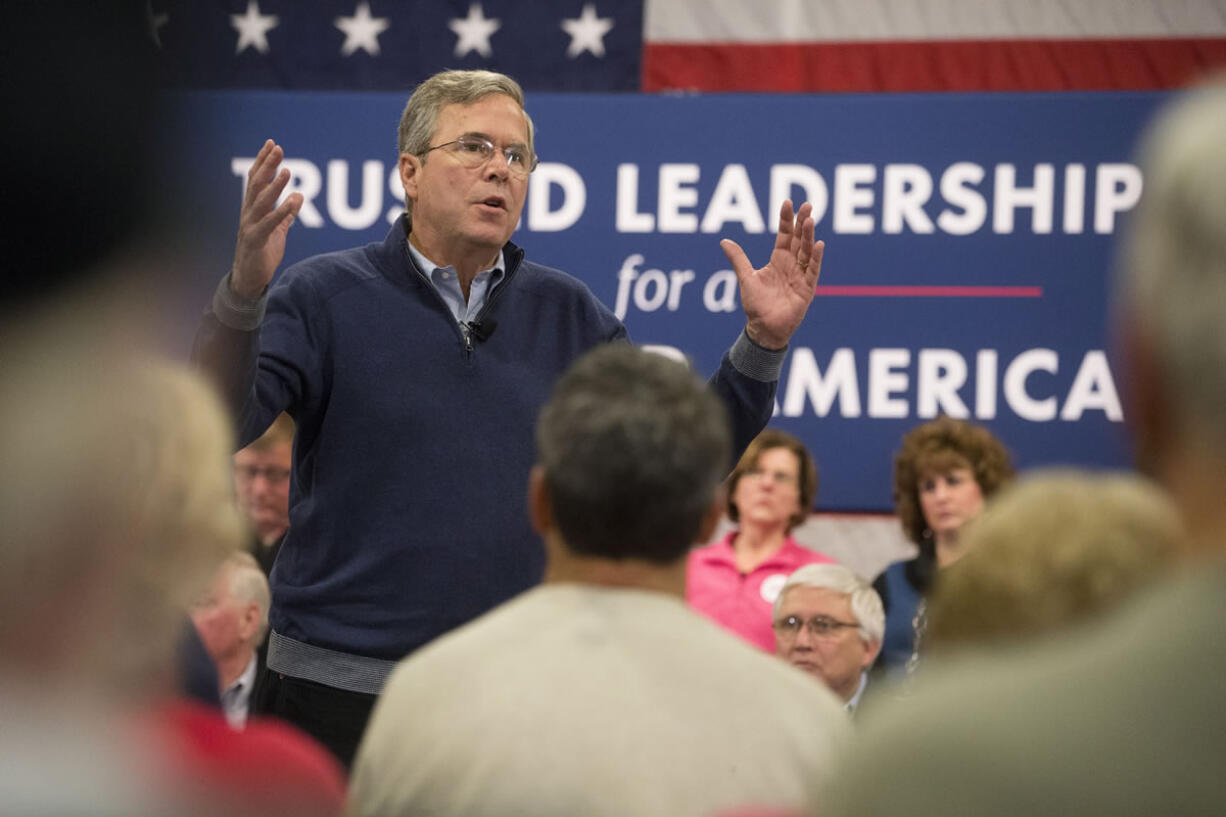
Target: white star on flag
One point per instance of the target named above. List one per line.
(587, 32)
(361, 31)
(253, 28)
(474, 32)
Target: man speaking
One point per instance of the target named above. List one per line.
(414, 369)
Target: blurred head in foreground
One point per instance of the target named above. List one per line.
(1050, 551)
(1171, 293)
(117, 506)
(632, 448)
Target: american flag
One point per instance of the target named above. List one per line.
(693, 45)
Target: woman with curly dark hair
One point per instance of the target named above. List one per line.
(945, 471)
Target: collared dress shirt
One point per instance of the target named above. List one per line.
(447, 283)
(236, 698)
(854, 704)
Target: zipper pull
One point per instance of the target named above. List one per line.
(468, 336)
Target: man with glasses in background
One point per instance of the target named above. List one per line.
(414, 369)
(829, 623)
(261, 485)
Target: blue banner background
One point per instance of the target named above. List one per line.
(595, 134)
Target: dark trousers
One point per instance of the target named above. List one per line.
(334, 717)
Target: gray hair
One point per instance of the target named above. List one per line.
(1174, 275)
(634, 447)
(420, 118)
(865, 603)
(1059, 547)
(249, 586)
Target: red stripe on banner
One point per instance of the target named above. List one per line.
(929, 292)
(953, 65)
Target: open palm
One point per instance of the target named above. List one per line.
(262, 223)
(776, 297)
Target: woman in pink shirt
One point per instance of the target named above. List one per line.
(734, 581)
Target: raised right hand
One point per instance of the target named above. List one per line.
(262, 225)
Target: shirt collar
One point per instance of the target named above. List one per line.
(430, 268)
(783, 555)
(854, 703)
(244, 681)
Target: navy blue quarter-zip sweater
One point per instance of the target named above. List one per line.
(414, 441)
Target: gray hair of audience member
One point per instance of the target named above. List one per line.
(865, 602)
(1174, 269)
(633, 447)
(116, 503)
(420, 118)
(249, 586)
(1056, 548)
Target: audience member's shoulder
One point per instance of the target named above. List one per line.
(1116, 699)
(980, 681)
(894, 570)
(511, 622)
(267, 768)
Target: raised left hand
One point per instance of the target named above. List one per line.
(776, 297)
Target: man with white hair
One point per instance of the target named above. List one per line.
(232, 617)
(1124, 718)
(829, 622)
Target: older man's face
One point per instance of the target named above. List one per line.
(227, 626)
(836, 658)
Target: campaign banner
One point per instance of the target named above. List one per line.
(970, 242)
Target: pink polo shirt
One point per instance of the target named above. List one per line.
(740, 603)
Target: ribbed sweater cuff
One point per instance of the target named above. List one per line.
(235, 311)
(756, 362)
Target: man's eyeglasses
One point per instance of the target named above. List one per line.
(820, 626)
(272, 473)
(474, 151)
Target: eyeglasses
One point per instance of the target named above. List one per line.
(778, 477)
(272, 473)
(474, 151)
(819, 626)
